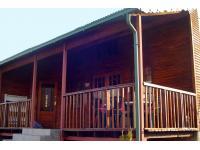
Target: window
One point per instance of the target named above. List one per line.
(47, 98)
(99, 82)
(114, 79)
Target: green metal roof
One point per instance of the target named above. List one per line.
(71, 33)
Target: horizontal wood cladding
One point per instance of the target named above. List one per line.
(17, 82)
(196, 54)
(167, 51)
(113, 56)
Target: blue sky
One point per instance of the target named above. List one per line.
(24, 28)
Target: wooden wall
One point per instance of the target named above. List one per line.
(196, 54)
(84, 64)
(17, 82)
(167, 51)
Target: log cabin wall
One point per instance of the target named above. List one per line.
(17, 82)
(167, 51)
(110, 57)
(196, 54)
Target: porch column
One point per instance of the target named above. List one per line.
(34, 93)
(64, 75)
(141, 80)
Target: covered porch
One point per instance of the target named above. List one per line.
(90, 80)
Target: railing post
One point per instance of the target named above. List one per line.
(34, 94)
(64, 75)
(5, 116)
(138, 71)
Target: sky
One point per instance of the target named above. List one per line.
(21, 29)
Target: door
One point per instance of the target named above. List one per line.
(47, 104)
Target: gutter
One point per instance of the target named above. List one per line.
(136, 73)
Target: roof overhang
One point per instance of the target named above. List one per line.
(83, 29)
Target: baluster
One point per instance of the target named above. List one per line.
(182, 111)
(102, 108)
(98, 110)
(89, 112)
(123, 109)
(134, 110)
(177, 108)
(128, 106)
(112, 107)
(70, 105)
(80, 110)
(83, 110)
(18, 118)
(185, 109)
(118, 108)
(150, 109)
(66, 99)
(157, 108)
(146, 107)
(73, 111)
(192, 107)
(153, 103)
(174, 108)
(93, 102)
(170, 110)
(161, 108)
(6, 115)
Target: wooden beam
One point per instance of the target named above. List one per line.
(64, 76)
(140, 55)
(17, 64)
(50, 52)
(34, 93)
(101, 33)
(30, 59)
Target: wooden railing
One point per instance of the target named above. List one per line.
(15, 114)
(169, 108)
(109, 107)
(113, 108)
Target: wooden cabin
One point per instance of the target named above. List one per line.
(84, 82)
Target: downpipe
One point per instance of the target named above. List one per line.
(136, 73)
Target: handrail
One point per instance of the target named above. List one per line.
(15, 102)
(168, 88)
(100, 89)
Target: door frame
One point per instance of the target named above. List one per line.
(55, 98)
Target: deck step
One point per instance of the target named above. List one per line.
(30, 134)
(41, 132)
(22, 137)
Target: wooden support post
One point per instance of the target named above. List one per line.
(140, 59)
(34, 94)
(64, 75)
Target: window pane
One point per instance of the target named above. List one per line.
(47, 98)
